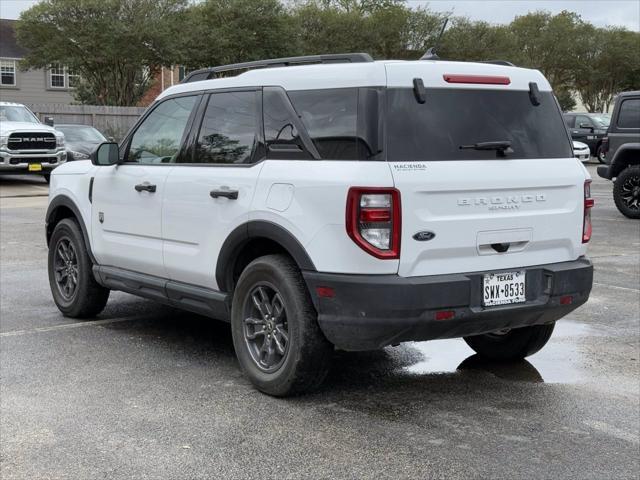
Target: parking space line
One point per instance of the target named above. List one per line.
(616, 287)
(612, 431)
(66, 326)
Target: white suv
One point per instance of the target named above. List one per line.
(353, 205)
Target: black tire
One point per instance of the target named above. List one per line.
(68, 260)
(626, 192)
(306, 354)
(47, 177)
(600, 154)
(511, 345)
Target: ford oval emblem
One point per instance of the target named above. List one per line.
(424, 236)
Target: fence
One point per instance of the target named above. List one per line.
(111, 121)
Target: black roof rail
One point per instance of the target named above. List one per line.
(499, 62)
(207, 73)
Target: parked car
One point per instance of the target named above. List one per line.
(589, 128)
(336, 205)
(622, 147)
(26, 145)
(581, 151)
(81, 140)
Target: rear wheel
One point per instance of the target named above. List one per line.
(626, 192)
(275, 331)
(511, 344)
(74, 289)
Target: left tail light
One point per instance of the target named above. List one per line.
(374, 220)
(587, 227)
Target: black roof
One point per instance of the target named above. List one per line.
(8, 46)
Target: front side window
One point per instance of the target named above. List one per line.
(452, 121)
(629, 116)
(582, 121)
(228, 131)
(8, 72)
(159, 137)
(56, 76)
(569, 120)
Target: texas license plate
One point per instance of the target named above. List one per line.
(503, 288)
(35, 167)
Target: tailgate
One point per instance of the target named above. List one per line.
(489, 215)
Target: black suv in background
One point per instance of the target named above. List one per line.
(589, 128)
(622, 149)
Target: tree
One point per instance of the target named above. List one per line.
(231, 31)
(476, 41)
(114, 45)
(383, 28)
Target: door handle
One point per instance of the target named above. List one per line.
(224, 192)
(146, 187)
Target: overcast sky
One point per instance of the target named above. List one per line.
(599, 12)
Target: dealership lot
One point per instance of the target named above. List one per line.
(146, 391)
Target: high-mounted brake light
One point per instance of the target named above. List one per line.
(589, 202)
(373, 220)
(476, 79)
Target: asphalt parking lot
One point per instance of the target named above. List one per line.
(145, 391)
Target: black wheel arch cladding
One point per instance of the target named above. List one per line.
(239, 238)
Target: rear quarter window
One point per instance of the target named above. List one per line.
(629, 116)
(449, 118)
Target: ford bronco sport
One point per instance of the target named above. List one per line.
(335, 202)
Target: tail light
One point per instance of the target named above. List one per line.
(587, 228)
(373, 220)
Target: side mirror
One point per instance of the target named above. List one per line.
(106, 154)
(111, 139)
(48, 121)
(587, 126)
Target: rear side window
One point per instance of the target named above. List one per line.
(451, 118)
(342, 123)
(629, 116)
(228, 131)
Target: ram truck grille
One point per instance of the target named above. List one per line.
(32, 141)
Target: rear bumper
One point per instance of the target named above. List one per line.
(371, 311)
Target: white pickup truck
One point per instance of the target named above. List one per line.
(26, 144)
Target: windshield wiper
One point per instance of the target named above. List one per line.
(502, 147)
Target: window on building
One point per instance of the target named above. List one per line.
(73, 78)
(57, 76)
(8, 72)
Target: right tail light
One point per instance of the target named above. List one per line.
(587, 228)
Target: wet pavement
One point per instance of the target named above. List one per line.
(145, 391)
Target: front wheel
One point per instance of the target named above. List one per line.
(511, 344)
(626, 192)
(74, 289)
(600, 154)
(275, 330)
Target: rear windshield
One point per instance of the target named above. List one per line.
(451, 118)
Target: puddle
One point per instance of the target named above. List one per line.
(558, 362)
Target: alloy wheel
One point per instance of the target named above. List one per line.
(265, 327)
(630, 192)
(66, 268)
